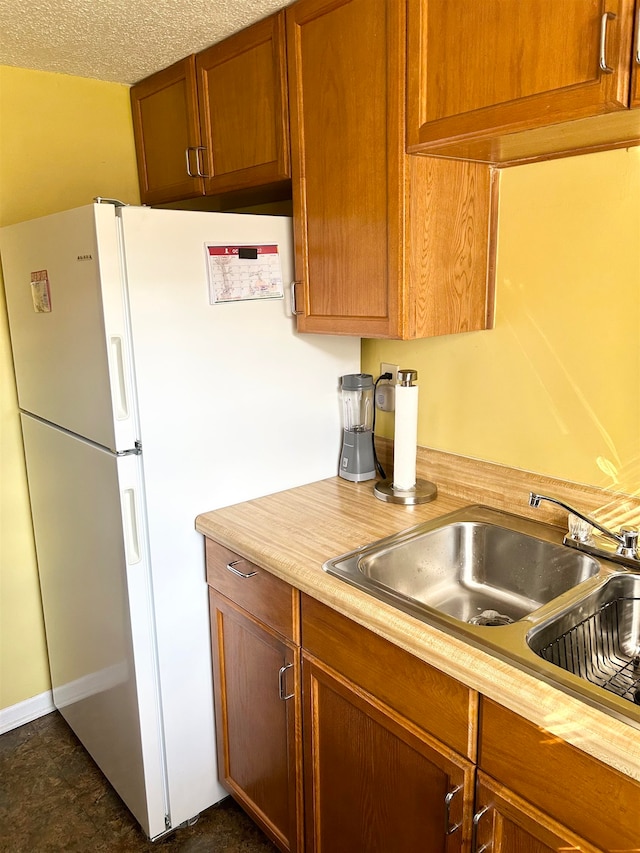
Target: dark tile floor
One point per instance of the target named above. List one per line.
(54, 798)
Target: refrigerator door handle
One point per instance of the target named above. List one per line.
(120, 396)
(131, 527)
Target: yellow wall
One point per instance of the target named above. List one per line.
(555, 387)
(63, 141)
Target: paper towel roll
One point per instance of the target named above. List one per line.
(405, 437)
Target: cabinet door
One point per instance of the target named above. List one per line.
(503, 823)
(257, 703)
(594, 800)
(498, 65)
(344, 96)
(167, 134)
(244, 121)
(374, 783)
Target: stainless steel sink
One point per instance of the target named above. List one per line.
(477, 565)
(508, 586)
(598, 638)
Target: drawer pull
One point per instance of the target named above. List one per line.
(232, 568)
(449, 830)
(281, 686)
(603, 42)
(474, 836)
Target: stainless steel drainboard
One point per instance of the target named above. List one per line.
(604, 648)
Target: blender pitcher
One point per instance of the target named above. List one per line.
(357, 460)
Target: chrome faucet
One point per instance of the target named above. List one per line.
(626, 539)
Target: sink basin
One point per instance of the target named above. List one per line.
(507, 585)
(598, 637)
(478, 566)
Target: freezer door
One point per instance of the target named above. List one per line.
(87, 514)
(68, 324)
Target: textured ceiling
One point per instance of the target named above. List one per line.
(117, 40)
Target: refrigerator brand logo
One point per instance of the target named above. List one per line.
(85, 257)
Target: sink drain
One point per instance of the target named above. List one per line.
(490, 618)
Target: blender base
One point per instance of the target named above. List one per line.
(423, 492)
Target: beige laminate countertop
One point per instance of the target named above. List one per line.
(293, 533)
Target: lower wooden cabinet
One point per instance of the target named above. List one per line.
(551, 790)
(373, 783)
(504, 823)
(337, 741)
(257, 714)
(256, 670)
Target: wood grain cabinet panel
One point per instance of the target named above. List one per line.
(217, 123)
(271, 600)
(505, 824)
(257, 701)
(483, 71)
(167, 131)
(369, 262)
(596, 802)
(423, 695)
(244, 117)
(372, 782)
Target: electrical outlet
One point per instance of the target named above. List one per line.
(386, 390)
(392, 369)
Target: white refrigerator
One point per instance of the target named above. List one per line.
(159, 376)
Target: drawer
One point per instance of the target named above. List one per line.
(435, 702)
(592, 799)
(271, 600)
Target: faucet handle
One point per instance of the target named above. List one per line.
(579, 529)
(629, 545)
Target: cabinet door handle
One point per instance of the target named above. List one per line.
(187, 154)
(232, 568)
(638, 36)
(603, 42)
(199, 172)
(294, 309)
(449, 830)
(281, 686)
(474, 835)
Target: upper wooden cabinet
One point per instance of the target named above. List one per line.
(483, 75)
(244, 117)
(216, 122)
(167, 133)
(387, 245)
(635, 74)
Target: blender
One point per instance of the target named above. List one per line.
(357, 459)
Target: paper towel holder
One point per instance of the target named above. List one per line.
(422, 491)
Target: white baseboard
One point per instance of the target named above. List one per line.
(26, 712)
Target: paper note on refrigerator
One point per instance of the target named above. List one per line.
(243, 272)
(40, 292)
